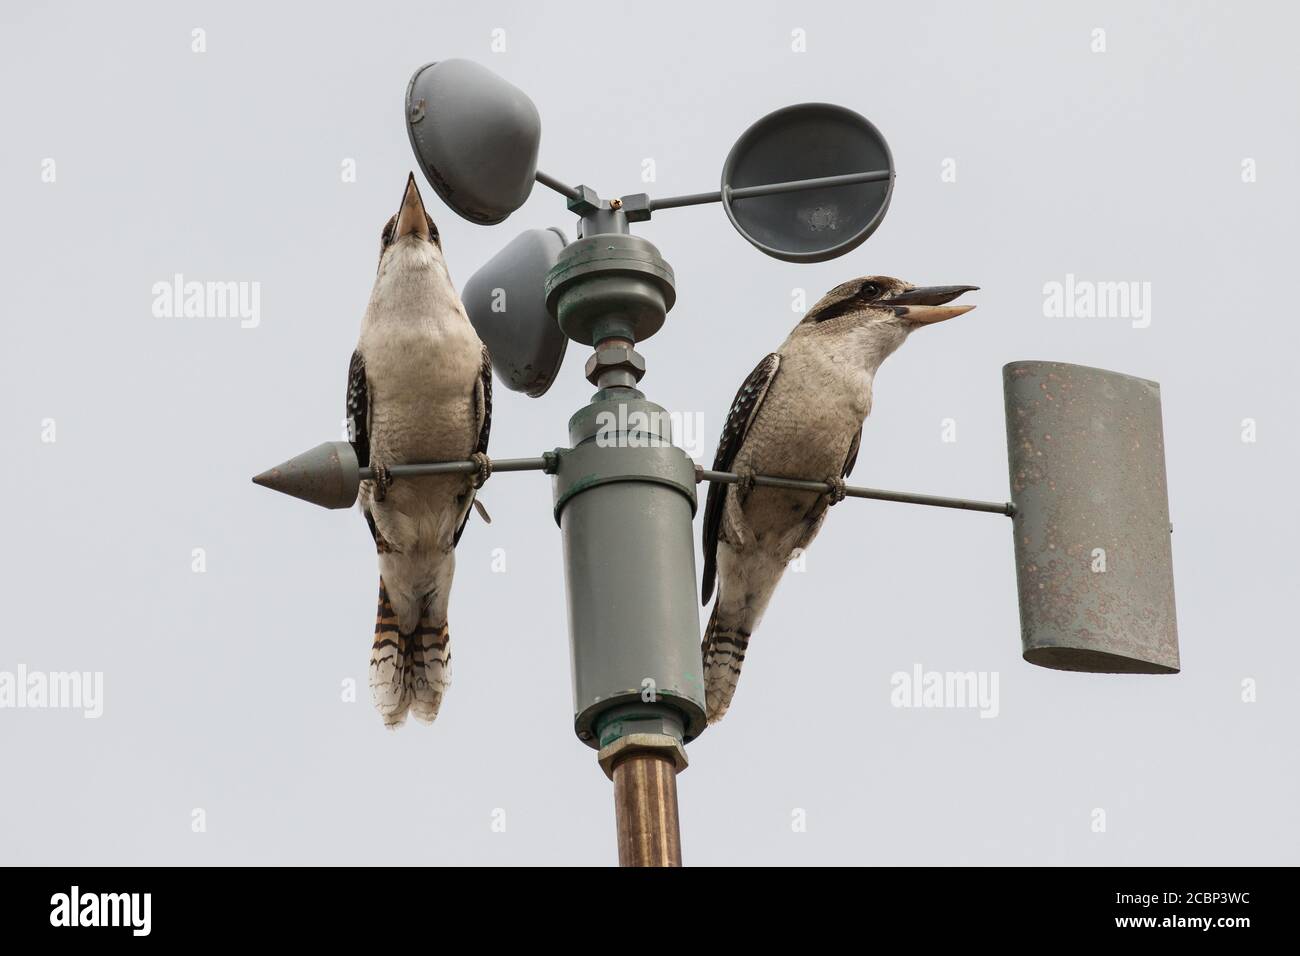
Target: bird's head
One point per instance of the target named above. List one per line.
(410, 238)
(878, 313)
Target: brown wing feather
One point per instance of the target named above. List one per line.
(483, 403)
(743, 409)
(485, 378)
(358, 411)
(852, 458)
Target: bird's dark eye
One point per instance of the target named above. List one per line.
(869, 290)
(387, 236)
(433, 230)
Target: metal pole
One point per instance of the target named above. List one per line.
(645, 808)
(624, 506)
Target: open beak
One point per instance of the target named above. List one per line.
(928, 305)
(411, 218)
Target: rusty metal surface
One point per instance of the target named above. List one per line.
(1094, 566)
(645, 807)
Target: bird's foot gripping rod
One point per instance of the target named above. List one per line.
(329, 475)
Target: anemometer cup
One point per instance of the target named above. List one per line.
(808, 141)
(506, 306)
(475, 137)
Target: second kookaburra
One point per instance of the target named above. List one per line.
(419, 390)
(798, 415)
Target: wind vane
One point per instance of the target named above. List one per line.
(807, 183)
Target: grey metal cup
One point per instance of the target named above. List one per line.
(507, 306)
(1094, 565)
(808, 141)
(475, 136)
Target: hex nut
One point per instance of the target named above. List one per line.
(663, 745)
(618, 358)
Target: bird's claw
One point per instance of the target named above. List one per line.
(383, 478)
(838, 490)
(745, 486)
(484, 468)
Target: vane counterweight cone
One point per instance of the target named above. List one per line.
(327, 475)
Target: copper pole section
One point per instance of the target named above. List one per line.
(645, 805)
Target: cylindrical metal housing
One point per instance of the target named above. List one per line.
(1092, 535)
(624, 499)
(610, 280)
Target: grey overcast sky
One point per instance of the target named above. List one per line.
(1167, 158)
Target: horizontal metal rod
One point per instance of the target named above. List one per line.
(547, 463)
(550, 182)
(795, 185)
(772, 189)
(694, 199)
(851, 491)
(464, 467)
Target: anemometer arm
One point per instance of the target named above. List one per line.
(773, 189)
(646, 205)
(550, 182)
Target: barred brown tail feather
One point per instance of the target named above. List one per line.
(724, 652)
(389, 684)
(428, 669)
(409, 673)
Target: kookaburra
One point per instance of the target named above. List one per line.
(798, 415)
(419, 390)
